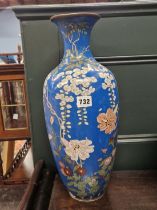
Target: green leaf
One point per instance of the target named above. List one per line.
(70, 178)
(60, 147)
(56, 153)
(73, 190)
(101, 173)
(101, 164)
(70, 184)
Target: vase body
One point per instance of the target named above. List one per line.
(80, 99)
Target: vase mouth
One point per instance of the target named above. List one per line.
(76, 14)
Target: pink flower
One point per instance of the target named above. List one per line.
(107, 121)
(107, 161)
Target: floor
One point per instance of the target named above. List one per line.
(25, 170)
(10, 195)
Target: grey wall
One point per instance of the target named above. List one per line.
(9, 31)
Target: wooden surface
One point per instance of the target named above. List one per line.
(4, 3)
(128, 190)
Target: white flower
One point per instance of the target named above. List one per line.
(59, 85)
(64, 82)
(59, 96)
(87, 79)
(69, 99)
(113, 85)
(92, 90)
(107, 84)
(92, 181)
(77, 73)
(62, 103)
(68, 77)
(73, 81)
(89, 67)
(110, 76)
(68, 72)
(87, 92)
(101, 75)
(86, 69)
(69, 106)
(93, 79)
(114, 97)
(76, 70)
(73, 88)
(86, 84)
(67, 88)
(77, 91)
(76, 149)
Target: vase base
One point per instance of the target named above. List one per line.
(85, 200)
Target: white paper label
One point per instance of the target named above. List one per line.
(84, 101)
(15, 116)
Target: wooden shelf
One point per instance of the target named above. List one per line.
(128, 190)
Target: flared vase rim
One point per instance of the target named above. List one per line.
(74, 14)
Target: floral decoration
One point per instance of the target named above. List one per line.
(66, 171)
(107, 121)
(107, 161)
(110, 85)
(78, 150)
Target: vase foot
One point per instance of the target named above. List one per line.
(85, 200)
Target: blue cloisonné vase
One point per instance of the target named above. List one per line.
(80, 99)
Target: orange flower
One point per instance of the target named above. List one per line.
(107, 121)
(81, 171)
(66, 171)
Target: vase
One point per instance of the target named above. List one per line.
(80, 99)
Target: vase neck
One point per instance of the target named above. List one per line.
(76, 30)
